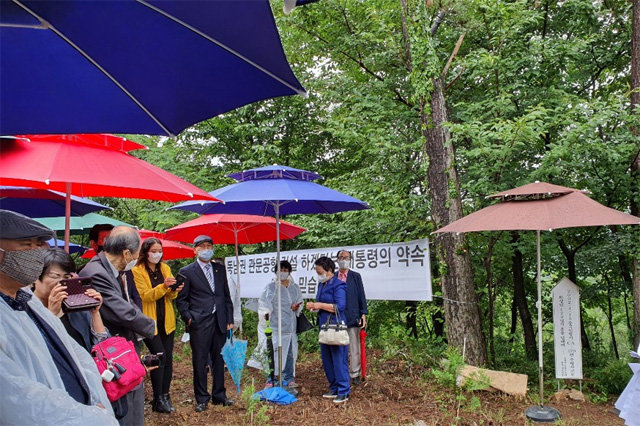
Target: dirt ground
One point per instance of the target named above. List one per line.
(389, 396)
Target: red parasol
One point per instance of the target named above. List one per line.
(234, 229)
(171, 250)
(89, 166)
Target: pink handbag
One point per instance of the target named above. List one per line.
(119, 365)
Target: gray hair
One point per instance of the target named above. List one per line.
(122, 238)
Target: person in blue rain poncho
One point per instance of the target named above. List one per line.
(291, 303)
(45, 376)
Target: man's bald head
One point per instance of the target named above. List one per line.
(122, 238)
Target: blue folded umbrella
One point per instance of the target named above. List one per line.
(277, 395)
(234, 352)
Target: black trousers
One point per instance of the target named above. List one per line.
(161, 377)
(206, 344)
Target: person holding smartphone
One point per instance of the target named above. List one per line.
(85, 327)
(158, 288)
(291, 302)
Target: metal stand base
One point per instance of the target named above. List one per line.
(542, 414)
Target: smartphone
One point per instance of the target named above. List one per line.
(76, 299)
(179, 281)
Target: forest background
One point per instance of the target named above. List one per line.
(422, 109)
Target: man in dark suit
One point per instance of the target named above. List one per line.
(356, 312)
(120, 314)
(206, 308)
(97, 234)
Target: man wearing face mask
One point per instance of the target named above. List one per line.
(120, 315)
(97, 234)
(44, 374)
(206, 308)
(356, 312)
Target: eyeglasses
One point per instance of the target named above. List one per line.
(344, 258)
(55, 276)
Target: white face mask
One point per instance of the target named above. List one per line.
(284, 276)
(205, 255)
(322, 278)
(344, 264)
(155, 257)
(131, 264)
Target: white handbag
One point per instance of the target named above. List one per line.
(334, 334)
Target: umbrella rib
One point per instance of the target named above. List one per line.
(223, 46)
(95, 64)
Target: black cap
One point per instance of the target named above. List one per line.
(202, 239)
(16, 226)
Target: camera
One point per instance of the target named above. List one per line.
(151, 360)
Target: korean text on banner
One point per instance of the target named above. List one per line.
(395, 271)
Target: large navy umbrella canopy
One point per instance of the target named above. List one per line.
(260, 190)
(44, 203)
(135, 66)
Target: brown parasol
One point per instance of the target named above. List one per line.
(540, 206)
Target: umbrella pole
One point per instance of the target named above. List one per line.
(539, 305)
(540, 413)
(278, 286)
(67, 217)
(235, 234)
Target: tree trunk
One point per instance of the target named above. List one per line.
(610, 318)
(462, 316)
(412, 325)
(520, 299)
(514, 323)
(635, 162)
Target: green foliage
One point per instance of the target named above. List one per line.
(612, 377)
(450, 365)
(256, 413)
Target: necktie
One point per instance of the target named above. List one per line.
(209, 274)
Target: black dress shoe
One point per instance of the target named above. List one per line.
(160, 405)
(201, 407)
(167, 399)
(226, 403)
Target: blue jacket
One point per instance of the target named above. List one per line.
(333, 291)
(356, 299)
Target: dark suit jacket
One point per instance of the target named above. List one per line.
(120, 316)
(356, 299)
(196, 300)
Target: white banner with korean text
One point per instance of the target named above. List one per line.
(395, 271)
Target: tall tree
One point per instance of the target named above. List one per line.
(635, 162)
(462, 313)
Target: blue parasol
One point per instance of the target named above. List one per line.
(44, 203)
(273, 191)
(135, 66)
